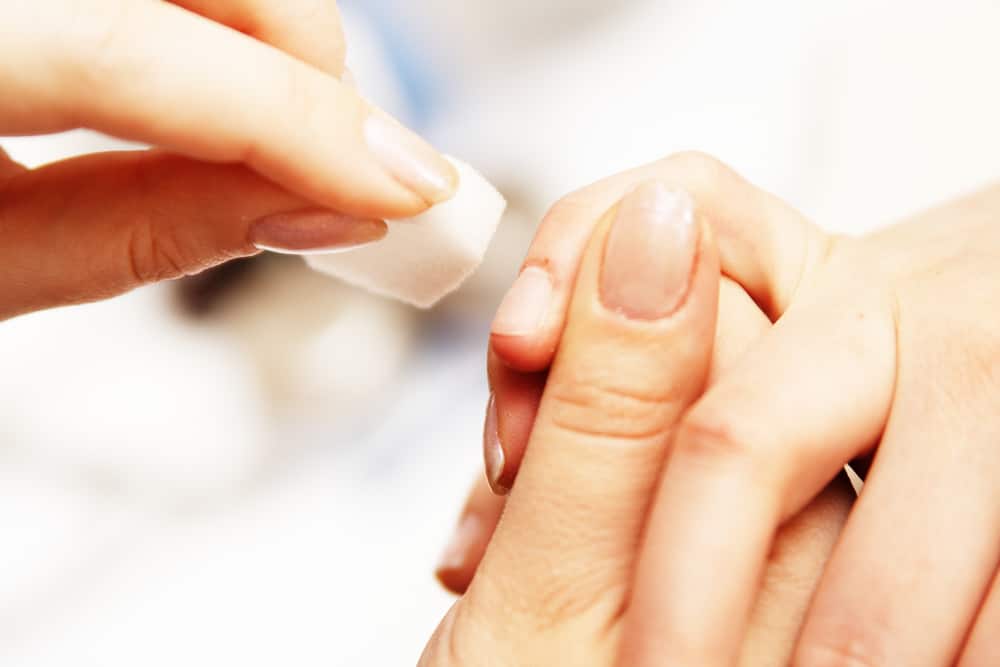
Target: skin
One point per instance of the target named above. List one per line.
(561, 571)
(884, 346)
(97, 226)
(865, 316)
(250, 116)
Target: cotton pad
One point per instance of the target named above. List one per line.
(423, 259)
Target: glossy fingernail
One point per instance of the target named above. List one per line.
(467, 534)
(313, 231)
(493, 453)
(650, 253)
(526, 305)
(410, 159)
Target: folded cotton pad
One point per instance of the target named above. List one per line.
(423, 259)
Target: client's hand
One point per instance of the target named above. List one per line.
(557, 579)
(886, 343)
(267, 147)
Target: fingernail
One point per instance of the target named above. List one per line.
(313, 231)
(493, 454)
(410, 159)
(524, 309)
(650, 253)
(466, 535)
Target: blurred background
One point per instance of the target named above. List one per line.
(259, 466)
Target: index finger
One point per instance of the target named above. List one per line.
(310, 30)
(763, 245)
(156, 73)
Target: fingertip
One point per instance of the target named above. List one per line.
(411, 161)
(460, 559)
(510, 417)
(526, 328)
(517, 410)
(455, 581)
(525, 353)
(457, 563)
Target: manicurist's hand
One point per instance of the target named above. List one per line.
(561, 573)
(262, 145)
(885, 346)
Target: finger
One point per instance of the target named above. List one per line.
(635, 353)
(97, 226)
(983, 646)
(117, 68)
(515, 396)
(752, 452)
(310, 30)
(764, 246)
(514, 402)
(510, 416)
(796, 562)
(476, 524)
(741, 324)
(920, 549)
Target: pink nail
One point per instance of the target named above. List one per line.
(650, 253)
(493, 452)
(410, 159)
(313, 231)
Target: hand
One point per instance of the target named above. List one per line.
(888, 342)
(267, 148)
(560, 573)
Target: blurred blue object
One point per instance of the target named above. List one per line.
(420, 85)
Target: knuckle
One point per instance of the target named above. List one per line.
(324, 19)
(311, 11)
(596, 600)
(301, 96)
(699, 168)
(563, 230)
(568, 210)
(558, 604)
(478, 626)
(451, 644)
(541, 603)
(301, 102)
(980, 348)
(100, 57)
(707, 437)
(842, 650)
(152, 256)
(605, 411)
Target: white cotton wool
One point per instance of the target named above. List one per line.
(425, 258)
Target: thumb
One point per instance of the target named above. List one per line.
(100, 225)
(635, 354)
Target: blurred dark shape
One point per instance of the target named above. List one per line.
(201, 295)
